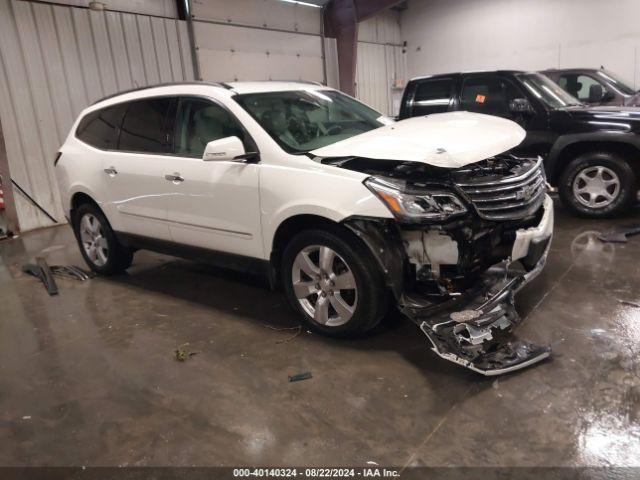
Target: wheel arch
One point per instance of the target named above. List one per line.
(570, 146)
(78, 198)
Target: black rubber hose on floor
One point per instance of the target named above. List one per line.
(33, 201)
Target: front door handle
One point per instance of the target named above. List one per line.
(111, 171)
(175, 178)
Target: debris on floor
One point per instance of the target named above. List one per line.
(45, 273)
(71, 271)
(299, 376)
(620, 233)
(298, 331)
(183, 354)
(42, 271)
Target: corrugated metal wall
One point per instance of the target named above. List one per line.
(158, 8)
(258, 40)
(381, 68)
(54, 61)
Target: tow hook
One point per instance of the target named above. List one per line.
(475, 334)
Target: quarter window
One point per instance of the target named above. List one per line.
(201, 121)
(146, 127)
(100, 128)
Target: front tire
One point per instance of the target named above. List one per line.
(598, 185)
(333, 283)
(98, 244)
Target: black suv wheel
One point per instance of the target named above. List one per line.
(98, 244)
(335, 286)
(598, 185)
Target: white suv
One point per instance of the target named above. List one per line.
(342, 208)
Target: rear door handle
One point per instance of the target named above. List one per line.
(111, 171)
(175, 178)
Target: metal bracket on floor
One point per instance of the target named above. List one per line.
(42, 271)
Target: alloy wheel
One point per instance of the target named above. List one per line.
(93, 240)
(596, 187)
(324, 285)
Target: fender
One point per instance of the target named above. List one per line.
(82, 188)
(553, 163)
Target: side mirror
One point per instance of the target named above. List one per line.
(596, 93)
(228, 149)
(520, 105)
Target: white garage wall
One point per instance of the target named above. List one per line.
(448, 36)
(54, 61)
(381, 65)
(258, 40)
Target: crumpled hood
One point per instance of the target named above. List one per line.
(448, 140)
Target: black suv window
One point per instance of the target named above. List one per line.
(147, 125)
(100, 128)
(432, 96)
(201, 121)
(488, 95)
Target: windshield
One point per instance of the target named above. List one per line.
(616, 83)
(547, 91)
(303, 120)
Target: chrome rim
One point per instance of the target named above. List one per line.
(93, 240)
(596, 187)
(324, 285)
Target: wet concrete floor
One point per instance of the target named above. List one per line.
(89, 377)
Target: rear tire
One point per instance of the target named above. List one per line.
(598, 185)
(98, 244)
(333, 283)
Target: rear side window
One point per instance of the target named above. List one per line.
(432, 96)
(488, 95)
(100, 128)
(147, 126)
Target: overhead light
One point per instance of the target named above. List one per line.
(306, 4)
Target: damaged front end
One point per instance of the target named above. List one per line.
(462, 243)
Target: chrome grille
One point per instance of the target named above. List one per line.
(509, 197)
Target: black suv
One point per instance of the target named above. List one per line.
(592, 154)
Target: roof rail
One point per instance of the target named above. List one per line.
(310, 82)
(167, 84)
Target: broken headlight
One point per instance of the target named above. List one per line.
(415, 206)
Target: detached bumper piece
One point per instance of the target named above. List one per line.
(474, 331)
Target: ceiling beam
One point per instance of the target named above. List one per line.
(341, 18)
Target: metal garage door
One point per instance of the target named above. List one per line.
(54, 61)
(258, 40)
(381, 68)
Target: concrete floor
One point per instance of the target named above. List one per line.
(89, 377)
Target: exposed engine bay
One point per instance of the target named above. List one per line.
(455, 269)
